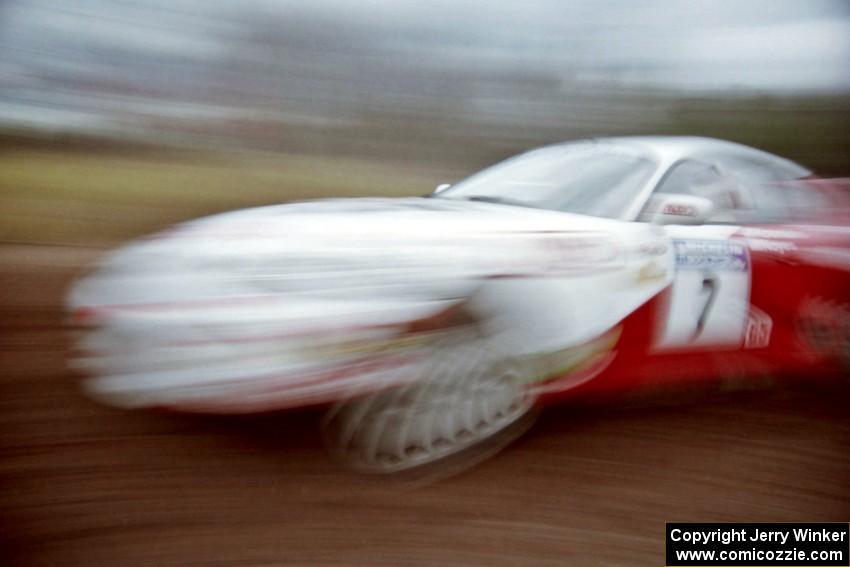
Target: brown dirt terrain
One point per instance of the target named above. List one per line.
(85, 485)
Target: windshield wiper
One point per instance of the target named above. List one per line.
(497, 200)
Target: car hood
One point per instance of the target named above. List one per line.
(351, 249)
(389, 217)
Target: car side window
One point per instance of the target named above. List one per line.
(764, 182)
(684, 176)
(700, 179)
(756, 171)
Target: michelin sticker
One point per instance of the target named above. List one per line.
(711, 255)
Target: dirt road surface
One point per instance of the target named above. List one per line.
(85, 485)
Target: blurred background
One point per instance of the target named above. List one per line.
(121, 117)
(128, 115)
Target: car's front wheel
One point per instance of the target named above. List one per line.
(470, 394)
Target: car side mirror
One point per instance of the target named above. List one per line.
(673, 208)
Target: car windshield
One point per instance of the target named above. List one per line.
(587, 178)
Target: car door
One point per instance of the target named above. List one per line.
(709, 302)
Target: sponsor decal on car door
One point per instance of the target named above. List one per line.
(709, 302)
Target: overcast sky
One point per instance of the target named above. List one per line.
(48, 47)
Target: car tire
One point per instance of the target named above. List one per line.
(470, 400)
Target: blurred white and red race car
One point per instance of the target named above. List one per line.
(430, 324)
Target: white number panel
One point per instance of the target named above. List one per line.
(710, 296)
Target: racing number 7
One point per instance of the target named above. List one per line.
(710, 287)
(709, 302)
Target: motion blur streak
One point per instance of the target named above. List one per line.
(119, 119)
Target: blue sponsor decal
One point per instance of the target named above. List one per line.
(716, 255)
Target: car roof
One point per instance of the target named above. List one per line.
(670, 149)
